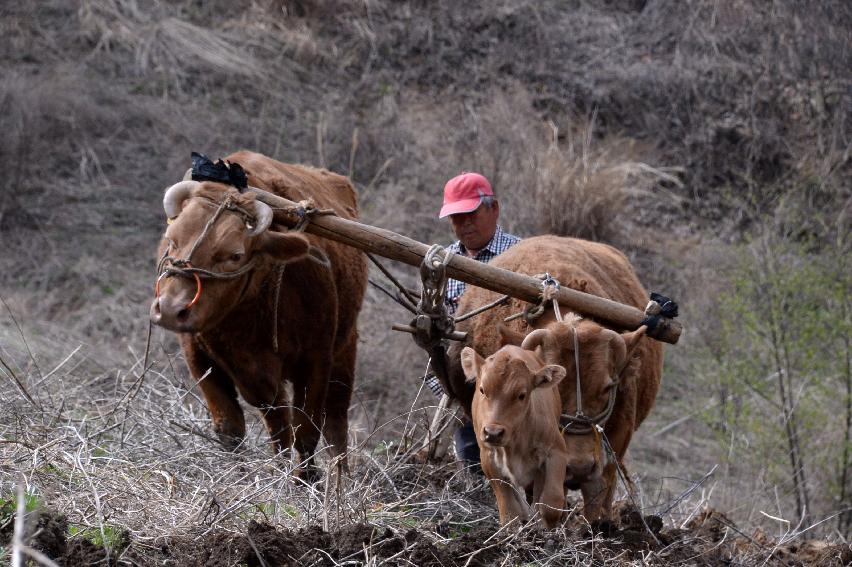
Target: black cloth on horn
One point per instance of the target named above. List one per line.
(203, 169)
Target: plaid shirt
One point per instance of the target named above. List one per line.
(499, 243)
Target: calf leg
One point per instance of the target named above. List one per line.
(219, 393)
(511, 500)
(549, 491)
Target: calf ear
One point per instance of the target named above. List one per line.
(549, 376)
(285, 246)
(471, 361)
(509, 337)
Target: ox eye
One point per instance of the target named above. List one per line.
(236, 257)
(521, 396)
(482, 390)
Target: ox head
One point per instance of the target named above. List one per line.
(504, 385)
(604, 361)
(236, 248)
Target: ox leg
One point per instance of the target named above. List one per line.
(549, 491)
(336, 425)
(309, 395)
(594, 495)
(219, 393)
(277, 418)
(598, 494)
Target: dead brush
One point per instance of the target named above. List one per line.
(137, 474)
(583, 187)
(162, 42)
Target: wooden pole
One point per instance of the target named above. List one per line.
(403, 249)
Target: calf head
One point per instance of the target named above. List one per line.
(590, 396)
(504, 383)
(231, 242)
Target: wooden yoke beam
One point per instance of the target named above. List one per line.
(403, 249)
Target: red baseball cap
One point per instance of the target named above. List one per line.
(463, 194)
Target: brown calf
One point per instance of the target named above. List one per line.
(515, 415)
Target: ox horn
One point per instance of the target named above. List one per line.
(176, 195)
(263, 214)
(542, 338)
(534, 339)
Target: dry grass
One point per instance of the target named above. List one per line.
(584, 187)
(120, 454)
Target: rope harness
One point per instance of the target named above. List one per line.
(169, 266)
(579, 423)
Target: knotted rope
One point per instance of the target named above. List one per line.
(549, 289)
(304, 210)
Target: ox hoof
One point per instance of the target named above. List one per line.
(423, 456)
(307, 475)
(604, 527)
(229, 441)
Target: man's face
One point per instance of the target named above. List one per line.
(476, 228)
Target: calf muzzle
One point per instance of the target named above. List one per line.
(493, 434)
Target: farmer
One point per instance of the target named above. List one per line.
(471, 205)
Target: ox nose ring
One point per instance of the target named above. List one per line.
(166, 274)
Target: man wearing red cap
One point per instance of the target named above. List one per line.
(473, 209)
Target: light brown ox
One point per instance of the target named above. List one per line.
(253, 333)
(516, 410)
(603, 271)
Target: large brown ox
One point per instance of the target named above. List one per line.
(604, 355)
(516, 408)
(274, 311)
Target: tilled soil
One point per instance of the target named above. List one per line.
(710, 539)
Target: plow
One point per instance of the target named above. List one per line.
(528, 288)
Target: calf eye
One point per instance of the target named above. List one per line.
(522, 396)
(236, 257)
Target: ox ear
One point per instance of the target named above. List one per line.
(509, 337)
(285, 246)
(471, 362)
(578, 284)
(624, 344)
(549, 376)
(632, 339)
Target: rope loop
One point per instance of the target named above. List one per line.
(549, 289)
(305, 210)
